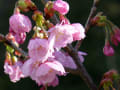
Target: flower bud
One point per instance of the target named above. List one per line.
(14, 59)
(26, 5)
(20, 23)
(115, 36)
(110, 74)
(108, 50)
(49, 11)
(61, 6)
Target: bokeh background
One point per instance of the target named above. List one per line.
(95, 62)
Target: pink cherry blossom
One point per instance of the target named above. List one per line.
(108, 50)
(61, 6)
(20, 23)
(41, 49)
(67, 60)
(79, 32)
(43, 73)
(114, 40)
(14, 71)
(63, 35)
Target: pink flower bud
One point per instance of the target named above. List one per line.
(108, 50)
(61, 6)
(110, 74)
(20, 23)
(115, 38)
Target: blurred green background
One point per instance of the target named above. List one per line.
(95, 62)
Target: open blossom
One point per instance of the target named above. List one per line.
(20, 23)
(14, 71)
(63, 35)
(67, 60)
(66, 34)
(108, 50)
(43, 73)
(61, 6)
(40, 49)
(79, 31)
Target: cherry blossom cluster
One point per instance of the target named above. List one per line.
(46, 56)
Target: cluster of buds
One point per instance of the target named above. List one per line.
(112, 33)
(108, 79)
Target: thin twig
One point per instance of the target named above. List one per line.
(88, 22)
(4, 40)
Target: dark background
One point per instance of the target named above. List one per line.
(95, 62)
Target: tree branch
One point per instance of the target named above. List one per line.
(81, 69)
(4, 40)
(88, 22)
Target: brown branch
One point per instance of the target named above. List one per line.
(72, 71)
(5, 41)
(81, 69)
(88, 22)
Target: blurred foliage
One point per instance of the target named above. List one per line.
(95, 62)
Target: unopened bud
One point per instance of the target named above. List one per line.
(14, 59)
(110, 74)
